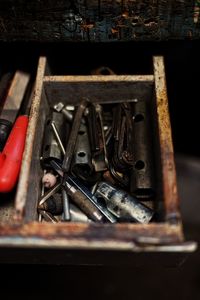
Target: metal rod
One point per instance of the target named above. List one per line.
(74, 182)
(42, 194)
(48, 217)
(73, 135)
(55, 131)
(50, 193)
(66, 210)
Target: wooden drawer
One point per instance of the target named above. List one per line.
(93, 243)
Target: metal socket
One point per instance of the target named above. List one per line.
(122, 205)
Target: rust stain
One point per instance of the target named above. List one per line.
(97, 78)
(167, 154)
(161, 233)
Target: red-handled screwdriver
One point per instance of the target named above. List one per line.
(11, 156)
(12, 144)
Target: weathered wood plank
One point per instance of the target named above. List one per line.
(99, 89)
(27, 161)
(99, 21)
(166, 145)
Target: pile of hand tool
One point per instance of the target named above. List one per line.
(97, 163)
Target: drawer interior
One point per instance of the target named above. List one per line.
(99, 89)
(165, 228)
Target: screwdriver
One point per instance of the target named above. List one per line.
(12, 102)
(12, 144)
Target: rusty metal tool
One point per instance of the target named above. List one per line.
(142, 172)
(121, 178)
(81, 164)
(50, 193)
(53, 136)
(73, 136)
(48, 217)
(55, 130)
(77, 215)
(84, 193)
(82, 160)
(56, 204)
(67, 111)
(91, 197)
(99, 113)
(122, 205)
(60, 107)
(92, 128)
(42, 194)
(78, 196)
(100, 160)
(103, 70)
(53, 204)
(123, 137)
(66, 206)
(82, 202)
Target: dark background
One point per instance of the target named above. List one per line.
(183, 76)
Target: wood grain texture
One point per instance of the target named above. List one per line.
(109, 89)
(99, 21)
(170, 192)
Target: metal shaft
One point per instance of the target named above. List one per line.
(66, 209)
(73, 135)
(88, 195)
(53, 125)
(51, 148)
(82, 161)
(50, 193)
(77, 215)
(83, 203)
(109, 216)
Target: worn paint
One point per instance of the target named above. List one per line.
(169, 180)
(99, 21)
(151, 234)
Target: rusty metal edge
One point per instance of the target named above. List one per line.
(16, 242)
(141, 236)
(169, 179)
(102, 78)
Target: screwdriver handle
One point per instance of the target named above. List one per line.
(11, 156)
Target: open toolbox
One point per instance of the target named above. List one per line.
(151, 177)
